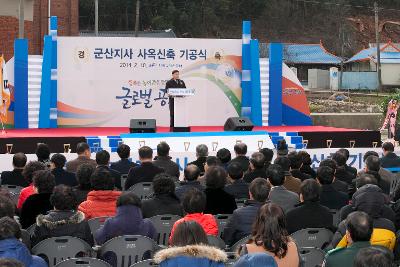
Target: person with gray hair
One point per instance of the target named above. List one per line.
(256, 167)
(201, 154)
(241, 151)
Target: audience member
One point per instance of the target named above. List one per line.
(330, 197)
(359, 228)
(256, 167)
(189, 247)
(374, 256)
(164, 200)
(291, 183)
(218, 201)
(296, 162)
(269, 235)
(256, 260)
(372, 166)
(83, 174)
(337, 184)
(240, 223)
(128, 221)
(201, 155)
(237, 187)
(63, 220)
(43, 154)
(389, 159)
(282, 148)
(103, 162)
(12, 248)
(83, 151)
(240, 152)
(224, 155)
(7, 207)
(15, 176)
(191, 176)
(211, 161)
(28, 172)
(163, 160)
(194, 203)
(39, 203)
(279, 194)
(268, 156)
(62, 176)
(101, 200)
(124, 164)
(350, 169)
(146, 171)
(341, 172)
(310, 213)
(306, 167)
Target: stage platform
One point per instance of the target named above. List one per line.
(109, 138)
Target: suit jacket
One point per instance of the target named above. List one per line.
(332, 198)
(298, 174)
(162, 204)
(308, 170)
(73, 165)
(243, 161)
(256, 173)
(116, 175)
(292, 184)
(351, 170)
(186, 186)
(175, 84)
(142, 173)
(284, 198)
(391, 160)
(123, 166)
(309, 215)
(239, 189)
(168, 165)
(199, 162)
(219, 201)
(64, 177)
(14, 177)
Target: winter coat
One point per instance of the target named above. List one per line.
(33, 206)
(99, 204)
(207, 221)
(219, 201)
(162, 204)
(14, 249)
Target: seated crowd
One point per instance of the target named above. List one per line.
(266, 201)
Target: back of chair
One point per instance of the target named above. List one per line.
(142, 190)
(57, 249)
(222, 220)
(96, 223)
(123, 251)
(163, 225)
(395, 182)
(216, 241)
(336, 217)
(124, 177)
(30, 229)
(240, 202)
(13, 190)
(145, 263)
(83, 262)
(239, 243)
(313, 237)
(312, 257)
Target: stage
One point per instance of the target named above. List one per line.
(109, 137)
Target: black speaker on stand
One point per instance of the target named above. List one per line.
(238, 124)
(142, 126)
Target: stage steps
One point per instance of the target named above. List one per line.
(264, 82)
(34, 88)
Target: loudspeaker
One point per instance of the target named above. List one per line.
(238, 124)
(142, 126)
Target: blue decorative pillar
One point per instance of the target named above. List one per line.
(53, 100)
(256, 109)
(275, 84)
(246, 72)
(21, 84)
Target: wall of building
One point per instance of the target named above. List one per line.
(391, 74)
(360, 80)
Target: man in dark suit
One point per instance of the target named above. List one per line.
(163, 160)
(389, 159)
(238, 187)
(350, 169)
(241, 151)
(310, 213)
(175, 82)
(296, 161)
(337, 184)
(256, 167)
(61, 176)
(15, 177)
(341, 172)
(240, 223)
(330, 197)
(124, 164)
(146, 171)
(191, 175)
(201, 154)
(103, 162)
(291, 183)
(83, 151)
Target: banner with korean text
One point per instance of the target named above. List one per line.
(106, 81)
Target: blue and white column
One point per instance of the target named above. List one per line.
(246, 70)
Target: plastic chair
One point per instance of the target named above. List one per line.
(239, 243)
(163, 225)
(56, 249)
(311, 257)
(395, 182)
(96, 223)
(142, 190)
(146, 263)
(124, 177)
(83, 262)
(313, 237)
(30, 229)
(13, 190)
(232, 258)
(123, 251)
(336, 217)
(216, 241)
(222, 220)
(240, 202)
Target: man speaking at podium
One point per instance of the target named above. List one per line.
(175, 82)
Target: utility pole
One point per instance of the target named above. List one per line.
(21, 28)
(137, 17)
(378, 46)
(96, 17)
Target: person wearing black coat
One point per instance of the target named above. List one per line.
(218, 201)
(330, 197)
(15, 176)
(124, 164)
(201, 158)
(191, 174)
(241, 151)
(64, 220)
(163, 160)
(83, 174)
(256, 168)
(164, 200)
(237, 187)
(389, 159)
(62, 176)
(103, 162)
(296, 162)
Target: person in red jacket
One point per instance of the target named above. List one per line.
(101, 201)
(194, 203)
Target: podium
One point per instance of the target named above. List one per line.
(181, 108)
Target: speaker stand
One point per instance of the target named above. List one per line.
(180, 129)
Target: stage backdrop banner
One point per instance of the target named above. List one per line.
(106, 81)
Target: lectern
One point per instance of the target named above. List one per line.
(181, 108)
